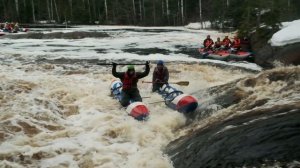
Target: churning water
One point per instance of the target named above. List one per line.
(55, 108)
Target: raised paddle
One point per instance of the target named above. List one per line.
(99, 63)
(181, 83)
(118, 64)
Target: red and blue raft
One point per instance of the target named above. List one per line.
(224, 55)
(177, 100)
(137, 110)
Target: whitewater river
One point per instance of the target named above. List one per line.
(55, 108)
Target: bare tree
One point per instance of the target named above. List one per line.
(227, 3)
(144, 11)
(17, 7)
(200, 9)
(51, 10)
(182, 14)
(55, 5)
(134, 12)
(71, 8)
(99, 14)
(154, 12)
(106, 12)
(178, 14)
(289, 3)
(141, 12)
(168, 11)
(33, 14)
(48, 9)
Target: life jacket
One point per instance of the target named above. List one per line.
(128, 81)
(226, 42)
(208, 43)
(236, 43)
(218, 44)
(160, 74)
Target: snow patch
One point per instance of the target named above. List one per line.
(198, 25)
(289, 34)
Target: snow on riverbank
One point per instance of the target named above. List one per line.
(198, 25)
(289, 34)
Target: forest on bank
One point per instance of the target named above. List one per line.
(241, 14)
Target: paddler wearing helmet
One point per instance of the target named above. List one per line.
(130, 79)
(160, 76)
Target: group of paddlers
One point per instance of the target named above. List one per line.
(11, 27)
(130, 79)
(226, 44)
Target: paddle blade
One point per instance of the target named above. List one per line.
(183, 83)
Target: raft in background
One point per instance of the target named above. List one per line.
(4, 31)
(217, 55)
(224, 55)
(177, 100)
(137, 110)
(240, 55)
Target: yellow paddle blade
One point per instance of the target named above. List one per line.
(182, 83)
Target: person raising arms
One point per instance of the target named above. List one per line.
(130, 91)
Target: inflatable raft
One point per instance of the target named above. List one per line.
(240, 55)
(137, 110)
(222, 55)
(177, 100)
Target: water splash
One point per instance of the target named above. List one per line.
(61, 116)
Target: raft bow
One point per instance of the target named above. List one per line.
(137, 110)
(177, 100)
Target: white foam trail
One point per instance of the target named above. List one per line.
(98, 132)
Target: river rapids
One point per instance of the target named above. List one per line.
(56, 109)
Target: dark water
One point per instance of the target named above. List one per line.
(147, 51)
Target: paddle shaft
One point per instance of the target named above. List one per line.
(157, 102)
(155, 82)
(118, 64)
(183, 83)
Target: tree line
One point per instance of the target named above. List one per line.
(222, 13)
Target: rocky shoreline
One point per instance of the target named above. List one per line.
(269, 56)
(244, 123)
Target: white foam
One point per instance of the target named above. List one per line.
(98, 132)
